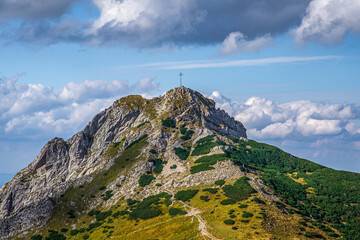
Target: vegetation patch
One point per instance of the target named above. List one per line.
(212, 159)
(228, 201)
(205, 198)
(229, 222)
(108, 195)
(241, 189)
(206, 162)
(247, 214)
(148, 207)
(103, 215)
(186, 134)
(220, 182)
(142, 124)
(235, 140)
(200, 168)
(203, 148)
(153, 151)
(182, 153)
(145, 180)
(137, 141)
(93, 212)
(158, 165)
(208, 138)
(176, 211)
(186, 195)
(168, 122)
(211, 190)
(173, 167)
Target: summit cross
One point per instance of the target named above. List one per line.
(181, 74)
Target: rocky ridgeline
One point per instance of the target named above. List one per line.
(28, 200)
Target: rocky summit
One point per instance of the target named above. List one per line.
(175, 167)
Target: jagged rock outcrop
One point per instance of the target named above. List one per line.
(28, 200)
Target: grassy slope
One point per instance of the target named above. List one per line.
(311, 195)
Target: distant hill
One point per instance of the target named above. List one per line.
(175, 167)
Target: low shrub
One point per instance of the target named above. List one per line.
(186, 195)
(229, 222)
(243, 206)
(54, 235)
(212, 159)
(103, 215)
(158, 165)
(205, 139)
(145, 180)
(108, 195)
(205, 198)
(176, 211)
(136, 141)
(36, 237)
(168, 122)
(247, 215)
(244, 220)
(147, 208)
(228, 201)
(153, 151)
(203, 148)
(64, 230)
(200, 168)
(257, 200)
(94, 225)
(220, 182)
(182, 153)
(241, 189)
(120, 213)
(211, 190)
(173, 167)
(74, 232)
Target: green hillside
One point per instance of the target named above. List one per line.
(315, 201)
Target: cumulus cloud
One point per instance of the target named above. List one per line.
(237, 42)
(28, 110)
(266, 119)
(149, 23)
(328, 21)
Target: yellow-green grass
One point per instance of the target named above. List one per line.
(175, 228)
(221, 213)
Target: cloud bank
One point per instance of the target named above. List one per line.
(266, 119)
(29, 110)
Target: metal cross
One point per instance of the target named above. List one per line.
(181, 74)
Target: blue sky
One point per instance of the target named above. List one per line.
(289, 70)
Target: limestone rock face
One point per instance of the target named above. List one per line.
(29, 199)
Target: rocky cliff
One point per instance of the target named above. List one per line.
(30, 199)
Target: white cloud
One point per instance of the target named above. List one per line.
(33, 110)
(237, 63)
(266, 119)
(148, 84)
(237, 42)
(328, 21)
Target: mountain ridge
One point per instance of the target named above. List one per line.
(140, 149)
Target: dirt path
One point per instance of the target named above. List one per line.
(203, 226)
